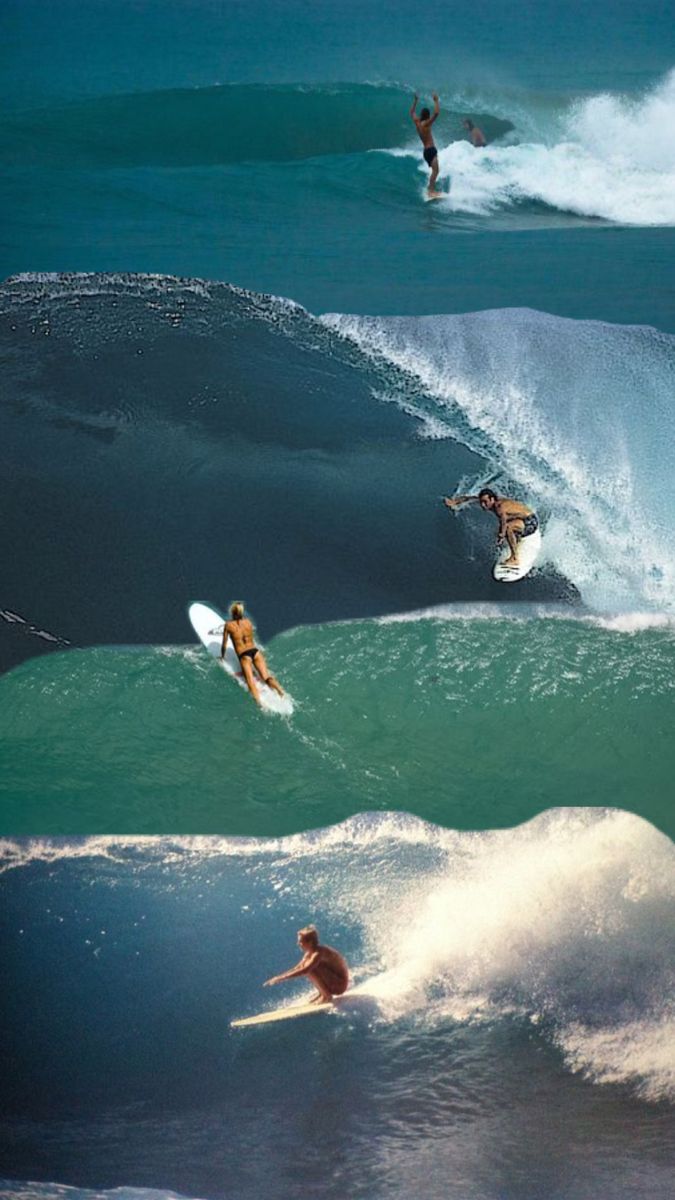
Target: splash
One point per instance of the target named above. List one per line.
(565, 922)
(609, 157)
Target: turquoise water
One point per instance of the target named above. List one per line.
(465, 718)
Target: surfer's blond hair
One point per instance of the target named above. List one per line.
(309, 934)
(237, 610)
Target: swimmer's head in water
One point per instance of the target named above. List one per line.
(467, 123)
(309, 936)
(424, 114)
(237, 610)
(487, 498)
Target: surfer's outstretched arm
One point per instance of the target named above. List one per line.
(302, 968)
(455, 501)
(413, 106)
(224, 645)
(437, 109)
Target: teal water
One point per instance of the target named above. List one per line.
(226, 142)
(465, 718)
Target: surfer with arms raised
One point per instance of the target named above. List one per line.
(423, 125)
(240, 630)
(516, 520)
(326, 969)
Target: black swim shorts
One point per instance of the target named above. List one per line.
(430, 153)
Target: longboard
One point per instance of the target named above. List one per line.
(528, 553)
(208, 625)
(290, 1012)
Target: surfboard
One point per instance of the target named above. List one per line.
(528, 553)
(290, 1012)
(208, 625)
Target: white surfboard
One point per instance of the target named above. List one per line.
(528, 553)
(291, 1012)
(208, 625)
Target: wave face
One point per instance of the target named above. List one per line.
(498, 975)
(207, 126)
(397, 713)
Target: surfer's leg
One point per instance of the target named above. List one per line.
(262, 669)
(514, 530)
(324, 993)
(434, 175)
(247, 671)
(329, 983)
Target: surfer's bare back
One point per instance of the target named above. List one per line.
(326, 969)
(423, 125)
(516, 520)
(240, 630)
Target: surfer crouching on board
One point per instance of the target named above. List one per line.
(326, 969)
(423, 125)
(240, 629)
(516, 520)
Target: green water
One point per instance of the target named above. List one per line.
(468, 723)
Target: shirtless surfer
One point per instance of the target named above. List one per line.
(516, 520)
(240, 630)
(423, 125)
(326, 968)
(476, 135)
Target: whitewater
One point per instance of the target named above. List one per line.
(609, 157)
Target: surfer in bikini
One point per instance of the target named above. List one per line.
(516, 520)
(423, 125)
(240, 630)
(476, 135)
(326, 969)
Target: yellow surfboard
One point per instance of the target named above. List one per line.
(285, 1014)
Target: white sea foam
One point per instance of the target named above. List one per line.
(569, 920)
(625, 623)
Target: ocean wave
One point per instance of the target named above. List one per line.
(208, 126)
(575, 415)
(608, 157)
(564, 924)
(579, 413)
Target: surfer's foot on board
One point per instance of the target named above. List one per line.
(319, 998)
(510, 562)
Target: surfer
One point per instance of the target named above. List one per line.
(240, 630)
(476, 135)
(516, 520)
(327, 969)
(423, 125)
